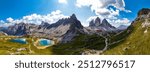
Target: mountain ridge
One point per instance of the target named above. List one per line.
(64, 30)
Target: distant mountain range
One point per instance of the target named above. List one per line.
(122, 27)
(63, 30)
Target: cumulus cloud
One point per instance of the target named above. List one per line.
(118, 22)
(10, 19)
(123, 21)
(63, 1)
(101, 6)
(37, 19)
(4, 24)
(109, 9)
(120, 4)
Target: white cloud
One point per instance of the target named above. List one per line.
(120, 4)
(10, 19)
(1, 22)
(4, 24)
(103, 9)
(57, 12)
(124, 21)
(118, 22)
(63, 1)
(37, 19)
(128, 11)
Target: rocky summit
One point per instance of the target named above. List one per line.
(101, 27)
(95, 23)
(144, 11)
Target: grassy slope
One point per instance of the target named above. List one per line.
(136, 43)
(80, 43)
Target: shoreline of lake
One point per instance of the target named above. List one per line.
(36, 44)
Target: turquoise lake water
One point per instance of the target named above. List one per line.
(45, 42)
(42, 42)
(19, 40)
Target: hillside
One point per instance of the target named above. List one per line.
(137, 41)
(80, 44)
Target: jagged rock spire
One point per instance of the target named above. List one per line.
(73, 16)
(95, 22)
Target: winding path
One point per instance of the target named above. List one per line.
(106, 44)
(97, 52)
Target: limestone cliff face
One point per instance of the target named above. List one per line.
(96, 24)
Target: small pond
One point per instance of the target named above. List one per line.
(45, 42)
(19, 40)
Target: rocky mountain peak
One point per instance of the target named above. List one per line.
(98, 20)
(73, 16)
(144, 11)
(44, 24)
(104, 21)
(91, 24)
(95, 22)
(143, 14)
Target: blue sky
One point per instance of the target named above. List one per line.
(117, 12)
